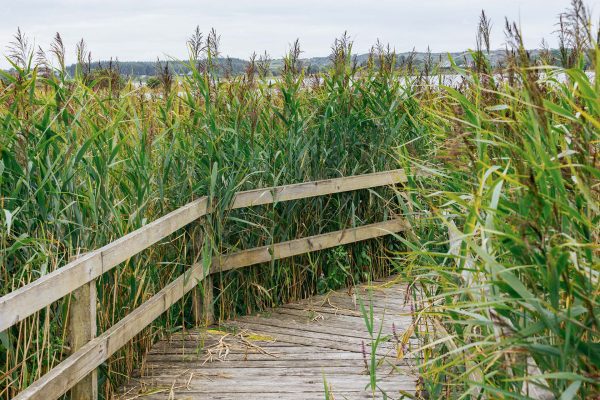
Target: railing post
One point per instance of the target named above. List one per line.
(202, 303)
(82, 329)
(208, 310)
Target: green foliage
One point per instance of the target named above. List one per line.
(153, 82)
(84, 161)
(506, 260)
(375, 335)
(336, 271)
(502, 194)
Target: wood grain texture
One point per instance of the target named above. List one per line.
(58, 380)
(23, 302)
(317, 188)
(82, 329)
(276, 355)
(295, 247)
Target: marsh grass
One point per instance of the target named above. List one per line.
(504, 162)
(85, 159)
(505, 263)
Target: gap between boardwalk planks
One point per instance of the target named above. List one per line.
(282, 369)
(58, 380)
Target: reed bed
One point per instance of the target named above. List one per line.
(88, 158)
(503, 195)
(506, 262)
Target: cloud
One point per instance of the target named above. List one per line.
(144, 30)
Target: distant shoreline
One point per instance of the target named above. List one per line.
(237, 66)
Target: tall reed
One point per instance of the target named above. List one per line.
(506, 261)
(85, 159)
(503, 197)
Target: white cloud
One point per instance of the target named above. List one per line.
(144, 30)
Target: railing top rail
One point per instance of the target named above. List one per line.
(25, 301)
(58, 380)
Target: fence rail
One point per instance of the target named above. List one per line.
(79, 275)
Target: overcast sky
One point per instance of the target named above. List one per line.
(147, 29)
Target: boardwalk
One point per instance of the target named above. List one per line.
(321, 339)
(286, 353)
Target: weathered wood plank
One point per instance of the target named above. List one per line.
(295, 247)
(313, 392)
(340, 310)
(281, 351)
(338, 358)
(356, 330)
(317, 188)
(57, 381)
(306, 395)
(317, 339)
(224, 372)
(349, 303)
(282, 384)
(23, 302)
(353, 329)
(204, 389)
(82, 329)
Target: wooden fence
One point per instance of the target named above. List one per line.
(78, 277)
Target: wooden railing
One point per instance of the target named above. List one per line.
(78, 277)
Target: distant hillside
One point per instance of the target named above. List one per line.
(142, 69)
(418, 58)
(237, 66)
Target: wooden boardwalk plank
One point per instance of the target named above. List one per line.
(286, 353)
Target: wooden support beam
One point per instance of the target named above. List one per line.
(65, 375)
(197, 306)
(208, 307)
(295, 247)
(82, 329)
(203, 302)
(21, 303)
